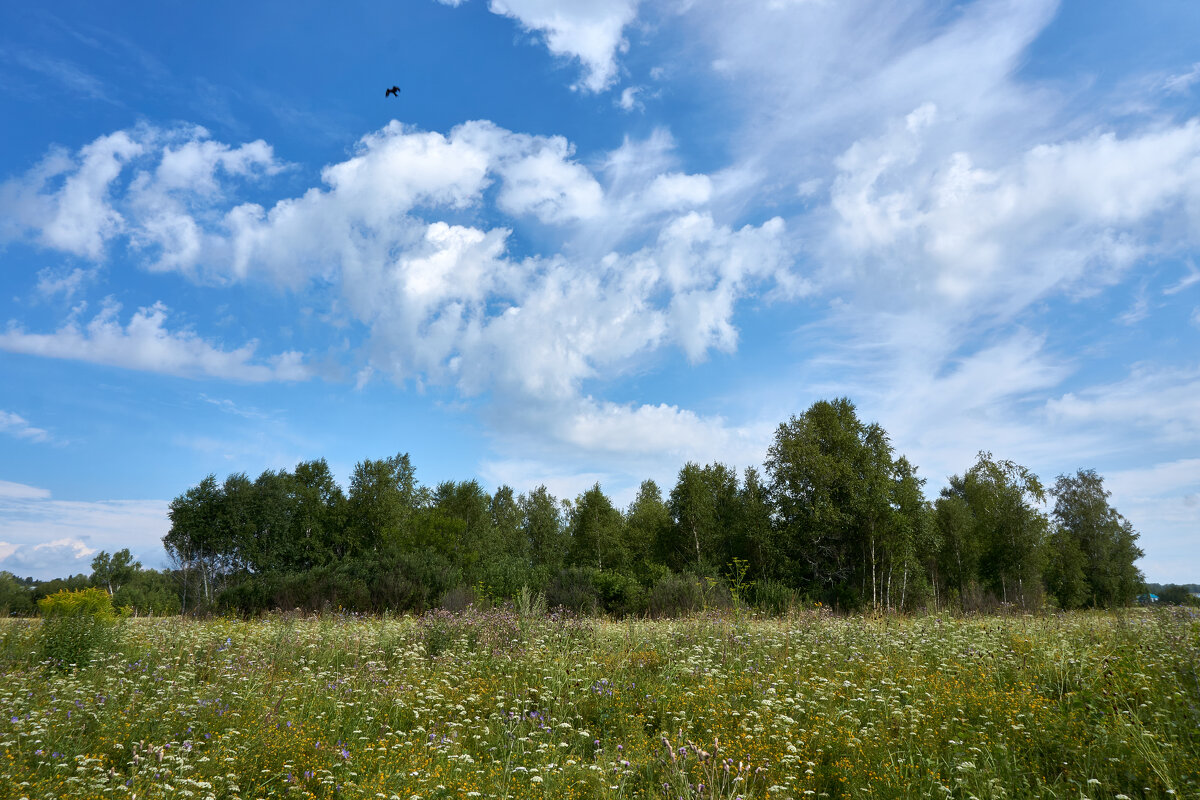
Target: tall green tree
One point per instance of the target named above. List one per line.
(383, 497)
(704, 505)
(647, 525)
(831, 488)
(753, 537)
(319, 513)
(595, 531)
(543, 530)
(1008, 528)
(114, 571)
(1093, 549)
(505, 513)
(956, 567)
(195, 542)
(467, 503)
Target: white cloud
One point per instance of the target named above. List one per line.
(589, 30)
(77, 216)
(67, 283)
(18, 426)
(19, 491)
(644, 265)
(146, 344)
(1067, 216)
(662, 432)
(1192, 278)
(230, 407)
(48, 538)
(628, 101)
(1155, 399)
(79, 203)
(941, 392)
(632, 442)
(1182, 83)
(1162, 501)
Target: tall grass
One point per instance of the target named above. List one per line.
(508, 705)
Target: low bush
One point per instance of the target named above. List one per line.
(573, 590)
(675, 595)
(74, 625)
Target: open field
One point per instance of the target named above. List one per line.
(493, 705)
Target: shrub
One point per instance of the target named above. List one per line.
(458, 599)
(620, 594)
(573, 590)
(773, 597)
(675, 595)
(74, 625)
(530, 604)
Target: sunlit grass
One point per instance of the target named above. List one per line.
(1084, 705)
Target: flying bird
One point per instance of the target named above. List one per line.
(395, 90)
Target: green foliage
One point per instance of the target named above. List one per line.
(619, 594)
(149, 592)
(574, 590)
(75, 624)
(596, 532)
(1007, 532)
(675, 595)
(1092, 548)
(1175, 595)
(773, 597)
(16, 597)
(839, 517)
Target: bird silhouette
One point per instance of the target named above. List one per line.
(395, 90)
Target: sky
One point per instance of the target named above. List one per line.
(589, 241)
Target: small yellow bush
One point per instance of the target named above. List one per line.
(74, 625)
(93, 602)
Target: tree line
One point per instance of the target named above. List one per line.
(836, 516)
(133, 588)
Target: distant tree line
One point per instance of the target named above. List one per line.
(1174, 594)
(836, 517)
(133, 589)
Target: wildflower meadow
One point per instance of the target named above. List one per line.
(504, 705)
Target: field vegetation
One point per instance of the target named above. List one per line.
(517, 703)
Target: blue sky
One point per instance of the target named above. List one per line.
(590, 240)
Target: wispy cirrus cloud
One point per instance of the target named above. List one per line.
(18, 426)
(68, 76)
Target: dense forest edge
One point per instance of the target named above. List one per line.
(836, 517)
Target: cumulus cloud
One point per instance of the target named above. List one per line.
(149, 184)
(146, 344)
(47, 538)
(65, 199)
(635, 259)
(591, 31)
(18, 426)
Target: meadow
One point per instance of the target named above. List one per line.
(497, 704)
